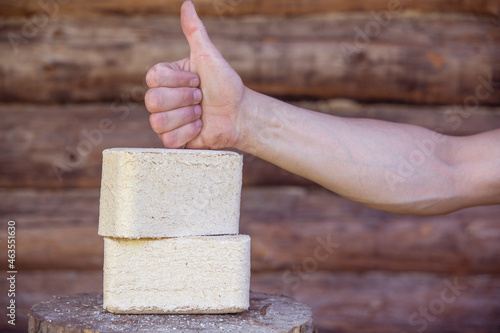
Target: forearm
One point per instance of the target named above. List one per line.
(201, 103)
(393, 167)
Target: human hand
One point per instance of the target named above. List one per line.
(183, 115)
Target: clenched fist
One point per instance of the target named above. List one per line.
(194, 102)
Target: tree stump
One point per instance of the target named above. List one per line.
(84, 313)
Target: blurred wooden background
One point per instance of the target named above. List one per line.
(69, 67)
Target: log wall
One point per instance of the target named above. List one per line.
(69, 66)
(325, 56)
(231, 8)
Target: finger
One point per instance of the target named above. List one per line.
(195, 31)
(169, 75)
(167, 121)
(166, 99)
(181, 135)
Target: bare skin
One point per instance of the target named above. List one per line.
(201, 103)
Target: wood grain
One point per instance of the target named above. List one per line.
(360, 270)
(380, 302)
(223, 8)
(292, 228)
(411, 58)
(377, 302)
(61, 146)
(81, 313)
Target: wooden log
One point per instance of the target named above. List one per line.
(341, 301)
(39, 285)
(222, 8)
(60, 146)
(337, 55)
(82, 313)
(291, 228)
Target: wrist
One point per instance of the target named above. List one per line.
(247, 121)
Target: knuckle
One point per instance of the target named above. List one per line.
(169, 140)
(151, 100)
(152, 77)
(156, 122)
(193, 130)
(166, 65)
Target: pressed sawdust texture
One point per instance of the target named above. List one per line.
(156, 193)
(209, 274)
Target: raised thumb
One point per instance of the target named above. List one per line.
(195, 31)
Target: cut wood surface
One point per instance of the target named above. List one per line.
(291, 228)
(374, 302)
(61, 146)
(81, 313)
(223, 8)
(429, 59)
(35, 286)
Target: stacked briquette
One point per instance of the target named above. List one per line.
(170, 220)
